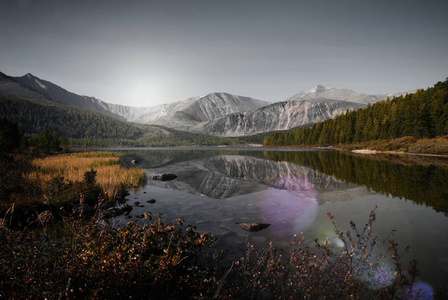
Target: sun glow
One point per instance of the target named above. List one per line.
(143, 93)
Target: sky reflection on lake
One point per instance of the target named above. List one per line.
(290, 205)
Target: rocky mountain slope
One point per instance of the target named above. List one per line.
(186, 114)
(277, 116)
(42, 89)
(10, 87)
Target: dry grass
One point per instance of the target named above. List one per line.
(434, 146)
(73, 166)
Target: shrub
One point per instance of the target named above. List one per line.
(322, 272)
(79, 259)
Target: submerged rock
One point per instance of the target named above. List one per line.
(253, 227)
(164, 177)
(152, 201)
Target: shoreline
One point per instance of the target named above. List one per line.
(259, 147)
(369, 151)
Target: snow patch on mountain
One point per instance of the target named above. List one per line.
(43, 86)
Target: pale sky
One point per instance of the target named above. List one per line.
(144, 53)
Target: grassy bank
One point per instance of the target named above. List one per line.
(60, 183)
(109, 175)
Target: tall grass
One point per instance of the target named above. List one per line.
(110, 176)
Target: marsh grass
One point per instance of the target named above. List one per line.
(72, 167)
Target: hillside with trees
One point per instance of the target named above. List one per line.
(423, 114)
(34, 117)
(89, 128)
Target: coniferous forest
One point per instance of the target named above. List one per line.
(88, 128)
(423, 114)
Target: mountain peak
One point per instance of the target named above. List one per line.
(319, 88)
(336, 94)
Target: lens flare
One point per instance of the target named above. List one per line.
(290, 205)
(419, 291)
(382, 277)
(335, 240)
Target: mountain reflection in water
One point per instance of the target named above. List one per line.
(226, 176)
(422, 180)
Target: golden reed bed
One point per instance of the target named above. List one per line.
(73, 166)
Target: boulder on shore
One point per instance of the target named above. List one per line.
(164, 177)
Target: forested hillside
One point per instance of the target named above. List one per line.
(85, 127)
(423, 114)
(35, 117)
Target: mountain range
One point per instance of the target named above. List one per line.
(218, 114)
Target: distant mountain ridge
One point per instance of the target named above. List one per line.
(219, 114)
(321, 91)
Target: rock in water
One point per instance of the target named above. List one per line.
(253, 227)
(115, 211)
(164, 177)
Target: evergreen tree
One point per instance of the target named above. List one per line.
(10, 136)
(420, 115)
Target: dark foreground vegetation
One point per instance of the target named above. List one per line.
(421, 115)
(77, 258)
(50, 247)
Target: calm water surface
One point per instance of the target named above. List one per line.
(294, 190)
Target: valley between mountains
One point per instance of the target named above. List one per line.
(216, 114)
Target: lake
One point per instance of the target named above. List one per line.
(293, 190)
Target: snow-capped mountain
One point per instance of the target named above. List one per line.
(340, 94)
(277, 116)
(187, 113)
